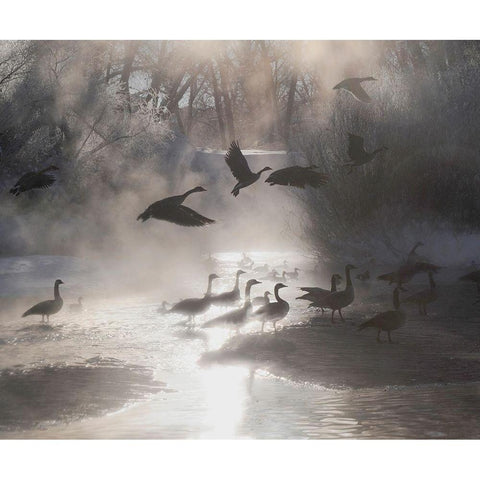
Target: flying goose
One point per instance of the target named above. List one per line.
(387, 321)
(263, 300)
(230, 297)
(316, 294)
(31, 180)
(48, 307)
(424, 297)
(473, 277)
(240, 169)
(299, 177)
(273, 311)
(353, 86)
(171, 210)
(191, 307)
(357, 153)
(235, 318)
(76, 307)
(338, 300)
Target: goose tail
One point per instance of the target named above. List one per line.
(364, 325)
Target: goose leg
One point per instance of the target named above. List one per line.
(333, 311)
(263, 325)
(43, 318)
(378, 336)
(340, 312)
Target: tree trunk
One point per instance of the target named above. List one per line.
(218, 106)
(228, 104)
(290, 102)
(130, 51)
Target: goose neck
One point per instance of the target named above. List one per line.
(56, 291)
(277, 296)
(333, 286)
(349, 279)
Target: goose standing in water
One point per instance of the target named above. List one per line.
(354, 87)
(163, 308)
(171, 210)
(273, 311)
(293, 275)
(424, 297)
(76, 307)
(387, 321)
(317, 294)
(263, 300)
(357, 153)
(48, 307)
(473, 277)
(31, 180)
(240, 169)
(298, 177)
(235, 318)
(338, 300)
(191, 307)
(228, 298)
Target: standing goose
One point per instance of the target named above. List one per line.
(414, 257)
(171, 210)
(407, 271)
(387, 321)
(473, 277)
(240, 169)
(299, 177)
(293, 275)
(273, 311)
(231, 297)
(353, 86)
(316, 294)
(191, 307)
(357, 153)
(76, 307)
(235, 318)
(163, 307)
(48, 307)
(263, 300)
(31, 180)
(338, 300)
(424, 297)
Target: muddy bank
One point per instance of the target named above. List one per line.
(443, 347)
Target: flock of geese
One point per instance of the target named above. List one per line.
(171, 209)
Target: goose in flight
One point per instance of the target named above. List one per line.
(240, 169)
(273, 311)
(171, 210)
(76, 307)
(31, 180)
(357, 153)
(231, 297)
(353, 86)
(389, 320)
(263, 300)
(338, 300)
(48, 307)
(423, 298)
(299, 177)
(235, 318)
(473, 277)
(191, 307)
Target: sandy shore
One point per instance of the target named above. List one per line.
(443, 347)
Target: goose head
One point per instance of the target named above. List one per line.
(368, 79)
(264, 169)
(350, 267)
(199, 189)
(213, 276)
(240, 272)
(278, 286)
(267, 293)
(252, 282)
(58, 282)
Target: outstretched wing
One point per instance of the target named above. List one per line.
(358, 92)
(40, 180)
(297, 177)
(355, 145)
(238, 163)
(186, 217)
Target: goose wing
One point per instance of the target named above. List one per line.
(238, 163)
(355, 145)
(42, 308)
(185, 216)
(297, 177)
(358, 92)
